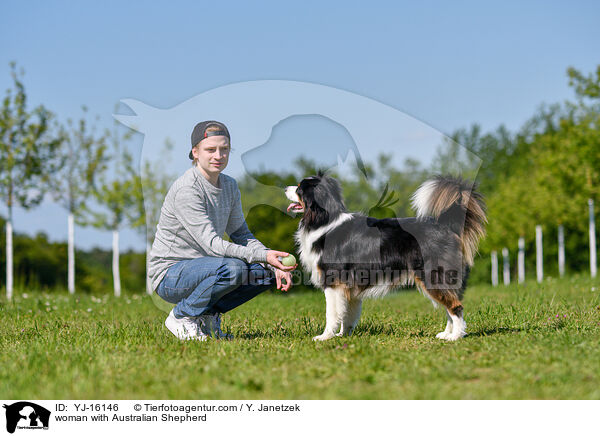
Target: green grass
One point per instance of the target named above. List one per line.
(528, 342)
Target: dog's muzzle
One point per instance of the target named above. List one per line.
(296, 204)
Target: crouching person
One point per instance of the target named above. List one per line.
(191, 265)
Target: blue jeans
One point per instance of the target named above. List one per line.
(209, 285)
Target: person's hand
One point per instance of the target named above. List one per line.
(280, 276)
(273, 259)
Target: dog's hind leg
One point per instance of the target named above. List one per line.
(332, 315)
(459, 326)
(448, 331)
(454, 307)
(351, 316)
(456, 327)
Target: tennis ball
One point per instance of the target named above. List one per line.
(289, 260)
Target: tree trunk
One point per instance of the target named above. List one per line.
(115, 264)
(592, 230)
(71, 254)
(9, 257)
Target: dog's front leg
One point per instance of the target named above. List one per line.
(350, 316)
(332, 323)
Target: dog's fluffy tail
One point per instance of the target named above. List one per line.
(454, 202)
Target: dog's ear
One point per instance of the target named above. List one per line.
(328, 195)
(309, 201)
(310, 214)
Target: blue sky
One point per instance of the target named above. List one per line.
(447, 64)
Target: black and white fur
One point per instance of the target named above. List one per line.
(433, 251)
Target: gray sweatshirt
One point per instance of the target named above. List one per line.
(193, 219)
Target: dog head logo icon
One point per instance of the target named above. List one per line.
(26, 415)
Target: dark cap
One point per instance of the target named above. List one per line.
(199, 132)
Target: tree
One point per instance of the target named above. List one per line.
(455, 155)
(585, 86)
(27, 157)
(150, 189)
(82, 158)
(116, 194)
(553, 172)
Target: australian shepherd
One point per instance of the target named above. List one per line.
(351, 256)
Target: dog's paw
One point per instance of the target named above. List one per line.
(443, 335)
(347, 332)
(455, 336)
(323, 337)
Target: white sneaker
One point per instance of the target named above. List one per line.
(184, 328)
(211, 325)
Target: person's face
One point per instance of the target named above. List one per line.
(212, 154)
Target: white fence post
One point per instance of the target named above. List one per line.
(505, 267)
(115, 264)
(494, 268)
(521, 260)
(593, 265)
(539, 261)
(561, 250)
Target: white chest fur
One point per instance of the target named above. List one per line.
(305, 239)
